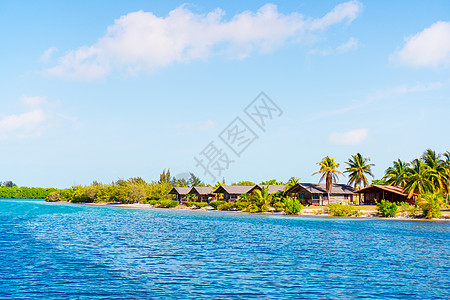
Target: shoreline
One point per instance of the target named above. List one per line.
(306, 212)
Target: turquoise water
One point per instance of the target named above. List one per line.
(67, 251)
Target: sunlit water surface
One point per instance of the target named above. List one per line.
(67, 251)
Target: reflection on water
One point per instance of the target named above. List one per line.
(60, 250)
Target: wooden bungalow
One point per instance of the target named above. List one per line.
(384, 192)
(272, 188)
(203, 193)
(232, 192)
(180, 192)
(316, 194)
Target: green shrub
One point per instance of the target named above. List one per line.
(241, 205)
(216, 203)
(386, 208)
(279, 206)
(292, 206)
(153, 202)
(341, 210)
(168, 203)
(196, 204)
(409, 210)
(431, 205)
(226, 206)
(253, 208)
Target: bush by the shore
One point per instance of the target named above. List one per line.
(341, 210)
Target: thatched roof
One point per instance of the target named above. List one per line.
(320, 188)
(233, 189)
(180, 190)
(201, 190)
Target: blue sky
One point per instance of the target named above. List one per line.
(113, 89)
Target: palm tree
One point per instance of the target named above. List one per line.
(263, 198)
(291, 182)
(437, 169)
(396, 174)
(358, 167)
(417, 179)
(446, 171)
(328, 170)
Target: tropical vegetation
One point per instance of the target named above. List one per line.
(328, 169)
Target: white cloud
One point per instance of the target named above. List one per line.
(351, 44)
(428, 48)
(344, 11)
(142, 41)
(23, 125)
(46, 56)
(31, 123)
(33, 102)
(352, 137)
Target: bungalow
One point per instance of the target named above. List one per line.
(232, 192)
(384, 192)
(203, 193)
(180, 192)
(272, 188)
(316, 194)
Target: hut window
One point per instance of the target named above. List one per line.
(301, 196)
(346, 197)
(325, 197)
(315, 196)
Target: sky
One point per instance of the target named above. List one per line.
(254, 90)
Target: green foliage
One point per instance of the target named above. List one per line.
(358, 168)
(215, 204)
(244, 183)
(153, 202)
(431, 205)
(291, 182)
(379, 182)
(196, 204)
(387, 209)
(341, 210)
(292, 206)
(262, 199)
(56, 196)
(226, 206)
(233, 206)
(168, 203)
(271, 182)
(409, 210)
(241, 205)
(15, 192)
(279, 206)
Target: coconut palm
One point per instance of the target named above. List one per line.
(437, 169)
(263, 198)
(417, 179)
(358, 168)
(396, 174)
(328, 169)
(446, 172)
(291, 182)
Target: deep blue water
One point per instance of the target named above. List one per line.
(68, 251)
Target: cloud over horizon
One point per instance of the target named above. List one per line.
(142, 41)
